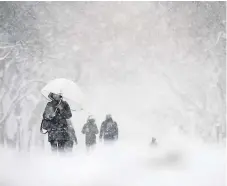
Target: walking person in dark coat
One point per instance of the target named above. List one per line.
(109, 130)
(54, 121)
(153, 142)
(90, 130)
(72, 137)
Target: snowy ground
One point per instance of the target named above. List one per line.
(122, 164)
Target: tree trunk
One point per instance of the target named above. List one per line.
(30, 139)
(2, 128)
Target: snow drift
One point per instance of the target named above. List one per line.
(124, 163)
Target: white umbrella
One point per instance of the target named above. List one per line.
(69, 91)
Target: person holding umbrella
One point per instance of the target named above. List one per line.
(54, 121)
(61, 93)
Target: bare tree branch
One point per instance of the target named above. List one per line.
(7, 46)
(182, 96)
(18, 98)
(5, 56)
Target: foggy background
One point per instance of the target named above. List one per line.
(158, 67)
(153, 65)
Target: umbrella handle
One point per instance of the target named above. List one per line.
(57, 106)
(60, 103)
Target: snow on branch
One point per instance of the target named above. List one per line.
(7, 46)
(5, 56)
(18, 99)
(181, 95)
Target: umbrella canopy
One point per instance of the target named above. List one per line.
(68, 89)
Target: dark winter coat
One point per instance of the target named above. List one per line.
(56, 124)
(71, 131)
(109, 130)
(90, 130)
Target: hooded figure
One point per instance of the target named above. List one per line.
(109, 129)
(153, 142)
(90, 130)
(54, 121)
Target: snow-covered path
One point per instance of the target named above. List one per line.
(121, 164)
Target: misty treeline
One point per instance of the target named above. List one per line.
(182, 44)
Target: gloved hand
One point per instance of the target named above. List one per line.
(60, 107)
(49, 116)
